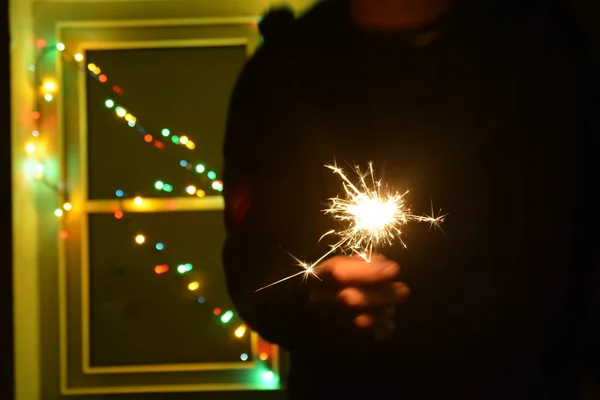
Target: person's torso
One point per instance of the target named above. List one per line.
(478, 128)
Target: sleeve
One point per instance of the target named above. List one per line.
(270, 209)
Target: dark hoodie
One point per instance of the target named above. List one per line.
(479, 113)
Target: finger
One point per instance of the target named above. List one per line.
(353, 271)
(381, 296)
(364, 321)
(383, 320)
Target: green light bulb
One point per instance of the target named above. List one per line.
(226, 317)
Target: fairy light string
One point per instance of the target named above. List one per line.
(160, 140)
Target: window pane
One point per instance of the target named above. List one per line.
(142, 309)
(184, 90)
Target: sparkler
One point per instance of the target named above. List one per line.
(372, 217)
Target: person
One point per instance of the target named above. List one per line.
(475, 110)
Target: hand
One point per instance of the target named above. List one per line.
(367, 289)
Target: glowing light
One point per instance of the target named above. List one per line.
(58, 212)
(64, 234)
(158, 185)
(200, 299)
(165, 132)
(49, 86)
(140, 239)
(268, 376)
(30, 148)
(175, 139)
(200, 193)
(244, 357)
(148, 138)
(217, 185)
(91, 67)
(109, 103)
(263, 356)
(211, 175)
(370, 215)
(60, 46)
(192, 286)
(119, 193)
(183, 163)
(217, 311)
(121, 112)
(102, 78)
(38, 171)
(35, 115)
(41, 43)
(138, 201)
(118, 214)
(48, 97)
(159, 246)
(78, 57)
(191, 189)
(35, 133)
(67, 206)
(190, 145)
(226, 317)
(183, 140)
(161, 269)
(200, 168)
(183, 268)
(240, 331)
(168, 188)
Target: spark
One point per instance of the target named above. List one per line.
(371, 217)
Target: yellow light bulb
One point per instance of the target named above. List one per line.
(190, 189)
(30, 148)
(121, 112)
(140, 239)
(240, 331)
(190, 145)
(58, 212)
(78, 57)
(128, 117)
(91, 67)
(183, 140)
(138, 201)
(193, 286)
(67, 206)
(49, 86)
